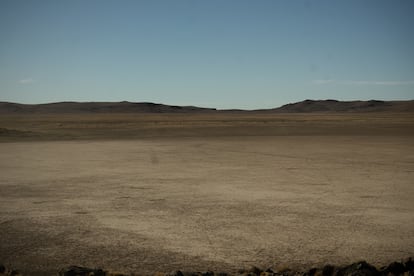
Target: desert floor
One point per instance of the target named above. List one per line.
(205, 193)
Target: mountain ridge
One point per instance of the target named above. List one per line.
(306, 106)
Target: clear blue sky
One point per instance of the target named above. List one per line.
(217, 53)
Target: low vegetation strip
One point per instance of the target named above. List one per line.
(361, 268)
(110, 126)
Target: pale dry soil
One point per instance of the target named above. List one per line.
(217, 203)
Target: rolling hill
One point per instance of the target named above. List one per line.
(347, 106)
(307, 106)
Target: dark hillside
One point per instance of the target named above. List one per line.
(307, 106)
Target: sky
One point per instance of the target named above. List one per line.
(214, 53)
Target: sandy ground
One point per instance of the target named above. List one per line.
(201, 203)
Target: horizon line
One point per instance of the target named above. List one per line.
(204, 107)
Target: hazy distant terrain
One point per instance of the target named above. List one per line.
(143, 107)
(97, 185)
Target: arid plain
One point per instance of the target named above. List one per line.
(159, 192)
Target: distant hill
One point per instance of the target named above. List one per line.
(99, 107)
(306, 106)
(347, 106)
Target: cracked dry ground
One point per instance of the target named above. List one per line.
(198, 204)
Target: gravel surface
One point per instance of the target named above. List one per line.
(198, 204)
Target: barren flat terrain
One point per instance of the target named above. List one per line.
(146, 193)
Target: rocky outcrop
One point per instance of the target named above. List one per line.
(8, 272)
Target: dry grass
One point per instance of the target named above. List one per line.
(132, 126)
